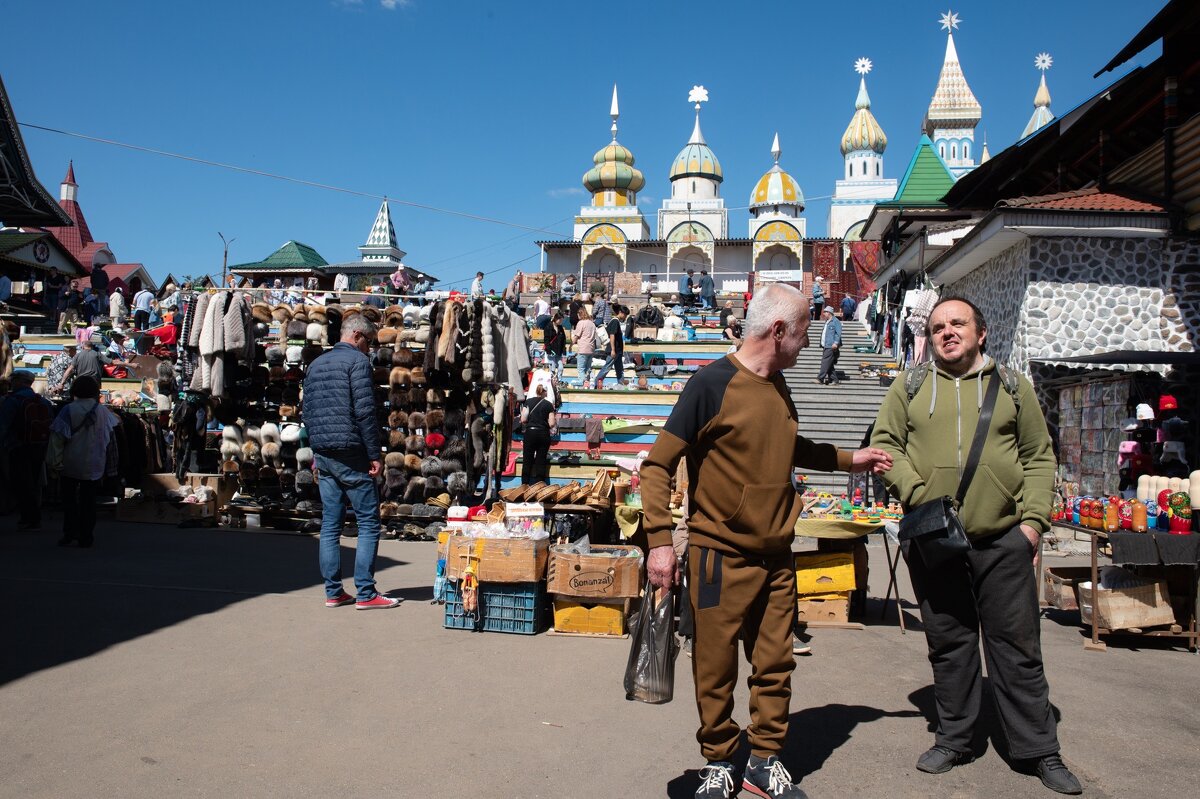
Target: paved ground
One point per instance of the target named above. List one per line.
(184, 663)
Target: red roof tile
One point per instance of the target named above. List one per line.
(1091, 199)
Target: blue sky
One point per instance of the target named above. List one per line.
(489, 109)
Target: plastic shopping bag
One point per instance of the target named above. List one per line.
(650, 672)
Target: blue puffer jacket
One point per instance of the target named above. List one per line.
(339, 405)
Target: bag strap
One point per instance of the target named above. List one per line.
(981, 431)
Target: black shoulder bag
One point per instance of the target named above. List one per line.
(934, 526)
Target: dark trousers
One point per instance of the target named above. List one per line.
(79, 509)
(993, 589)
(535, 451)
(25, 470)
(829, 359)
(817, 305)
(141, 320)
(752, 598)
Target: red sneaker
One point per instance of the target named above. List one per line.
(379, 602)
(341, 599)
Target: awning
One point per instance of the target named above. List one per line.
(1127, 356)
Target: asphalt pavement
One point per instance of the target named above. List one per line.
(181, 663)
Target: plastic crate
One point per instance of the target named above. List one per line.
(824, 572)
(578, 616)
(503, 608)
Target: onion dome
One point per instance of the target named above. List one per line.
(613, 168)
(864, 132)
(776, 187)
(696, 159)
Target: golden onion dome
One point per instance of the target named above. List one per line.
(863, 133)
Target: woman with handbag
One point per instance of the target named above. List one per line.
(82, 451)
(540, 421)
(584, 336)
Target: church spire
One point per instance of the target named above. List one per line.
(1042, 115)
(381, 241)
(863, 134)
(953, 112)
(614, 112)
(69, 190)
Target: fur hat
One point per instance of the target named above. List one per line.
(396, 439)
(398, 398)
(434, 442)
(418, 376)
(457, 484)
(253, 432)
(431, 466)
(451, 466)
(404, 509)
(398, 420)
(289, 433)
(395, 481)
(269, 432)
(380, 375)
(435, 398)
(316, 313)
(386, 335)
(300, 315)
(434, 485)
(275, 374)
(287, 411)
(403, 356)
(394, 460)
(230, 450)
(304, 459)
(311, 352)
(393, 316)
(304, 478)
(275, 356)
(454, 449)
(271, 453)
(294, 354)
(414, 445)
(415, 492)
(400, 378)
(416, 421)
(412, 463)
(456, 420)
(412, 315)
(233, 433)
(165, 371)
(296, 329)
(281, 314)
(261, 330)
(261, 312)
(382, 357)
(251, 450)
(435, 418)
(315, 332)
(333, 317)
(406, 335)
(371, 314)
(421, 335)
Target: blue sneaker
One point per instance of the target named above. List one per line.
(770, 780)
(716, 781)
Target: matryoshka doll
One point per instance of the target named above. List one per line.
(1076, 510)
(1181, 513)
(1125, 513)
(1112, 520)
(1137, 516)
(1164, 510)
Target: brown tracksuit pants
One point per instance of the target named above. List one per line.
(754, 598)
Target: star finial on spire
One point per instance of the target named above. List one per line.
(949, 21)
(862, 66)
(1043, 61)
(614, 112)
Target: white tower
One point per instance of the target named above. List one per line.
(695, 189)
(862, 184)
(953, 112)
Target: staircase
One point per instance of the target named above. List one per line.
(838, 414)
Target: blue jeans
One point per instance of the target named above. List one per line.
(556, 365)
(339, 482)
(611, 362)
(584, 364)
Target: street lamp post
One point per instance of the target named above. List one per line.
(225, 257)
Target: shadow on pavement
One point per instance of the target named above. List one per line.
(65, 604)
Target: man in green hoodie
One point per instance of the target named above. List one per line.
(1006, 509)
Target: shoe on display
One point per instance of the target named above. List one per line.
(1055, 775)
(769, 779)
(716, 781)
(378, 602)
(940, 759)
(337, 601)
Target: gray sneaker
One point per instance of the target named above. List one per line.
(716, 781)
(770, 780)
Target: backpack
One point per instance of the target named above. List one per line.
(1011, 381)
(37, 421)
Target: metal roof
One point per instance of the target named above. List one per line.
(23, 200)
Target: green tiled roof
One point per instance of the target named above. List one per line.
(925, 182)
(11, 242)
(292, 255)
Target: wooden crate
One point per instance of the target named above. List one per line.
(577, 617)
(1123, 608)
(824, 572)
(1059, 585)
(594, 576)
(809, 609)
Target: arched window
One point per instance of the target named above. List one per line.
(942, 151)
(851, 169)
(966, 150)
(693, 187)
(954, 151)
(864, 169)
(876, 169)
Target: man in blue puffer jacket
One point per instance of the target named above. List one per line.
(339, 413)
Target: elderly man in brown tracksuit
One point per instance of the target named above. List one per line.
(736, 426)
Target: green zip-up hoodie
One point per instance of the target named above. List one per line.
(930, 438)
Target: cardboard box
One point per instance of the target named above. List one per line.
(161, 512)
(1123, 608)
(594, 576)
(827, 610)
(225, 487)
(1059, 585)
(499, 560)
(604, 619)
(824, 572)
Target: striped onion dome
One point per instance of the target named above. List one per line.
(696, 159)
(776, 187)
(864, 132)
(613, 170)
